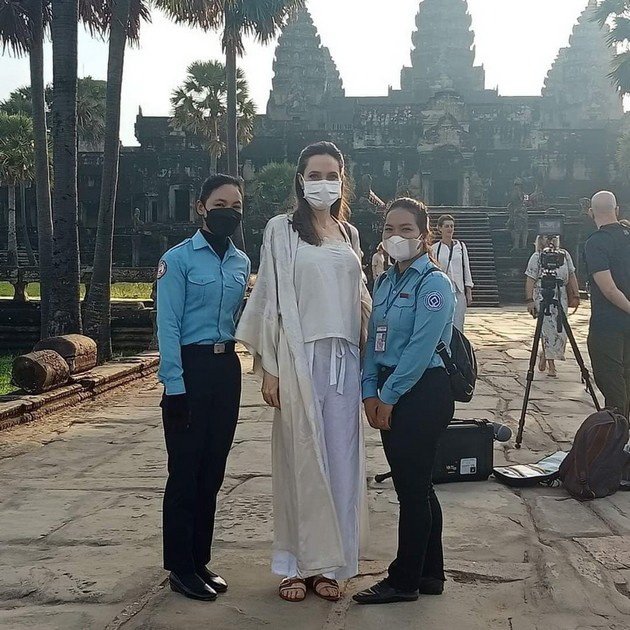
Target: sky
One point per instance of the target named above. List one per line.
(516, 41)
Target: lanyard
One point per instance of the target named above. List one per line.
(450, 255)
(391, 300)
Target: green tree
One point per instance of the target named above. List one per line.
(17, 166)
(236, 18)
(22, 31)
(90, 107)
(200, 107)
(272, 189)
(617, 14)
(123, 22)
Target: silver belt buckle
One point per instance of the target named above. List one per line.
(219, 348)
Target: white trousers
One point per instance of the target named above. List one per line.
(460, 311)
(335, 366)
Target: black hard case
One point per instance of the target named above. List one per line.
(465, 452)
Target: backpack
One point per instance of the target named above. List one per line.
(593, 468)
(460, 362)
(461, 365)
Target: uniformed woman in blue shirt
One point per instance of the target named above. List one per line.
(407, 395)
(200, 290)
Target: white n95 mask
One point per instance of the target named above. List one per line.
(322, 194)
(402, 249)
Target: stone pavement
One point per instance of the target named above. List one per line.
(80, 521)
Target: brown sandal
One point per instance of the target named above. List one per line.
(292, 584)
(320, 580)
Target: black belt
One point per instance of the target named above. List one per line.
(227, 347)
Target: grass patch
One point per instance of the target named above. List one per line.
(120, 290)
(6, 361)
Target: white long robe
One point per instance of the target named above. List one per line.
(305, 520)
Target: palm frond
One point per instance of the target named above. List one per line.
(620, 74)
(609, 8)
(620, 31)
(15, 27)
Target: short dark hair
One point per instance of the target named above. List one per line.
(216, 181)
(444, 218)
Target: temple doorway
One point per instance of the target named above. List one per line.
(446, 192)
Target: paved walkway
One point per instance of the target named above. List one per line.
(80, 521)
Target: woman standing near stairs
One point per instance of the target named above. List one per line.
(452, 256)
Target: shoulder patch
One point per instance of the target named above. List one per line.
(162, 268)
(434, 301)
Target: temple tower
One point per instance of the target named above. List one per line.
(305, 75)
(578, 92)
(443, 56)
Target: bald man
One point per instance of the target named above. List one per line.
(607, 254)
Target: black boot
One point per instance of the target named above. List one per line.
(384, 593)
(191, 585)
(431, 586)
(214, 581)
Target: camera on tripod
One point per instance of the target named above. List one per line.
(551, 257)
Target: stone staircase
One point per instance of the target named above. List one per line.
(472, 225)
(22, 257)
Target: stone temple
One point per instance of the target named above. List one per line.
(443, 135)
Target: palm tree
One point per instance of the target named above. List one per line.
(237, 18)
(123, 20)
(91, 95)
(65, 310)
(16, 167)
(22, 29)
(200, 107)
(617, 13)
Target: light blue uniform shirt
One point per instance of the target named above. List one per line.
(417, 316)
(199, 298)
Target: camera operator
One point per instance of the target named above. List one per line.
(607, 253)
(563, 270)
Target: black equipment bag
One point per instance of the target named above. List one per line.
(465, 452)
(545, 472)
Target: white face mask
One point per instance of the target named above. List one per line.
(322, 194)
(401, 249)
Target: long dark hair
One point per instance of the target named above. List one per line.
(421, 216)
(303, 214)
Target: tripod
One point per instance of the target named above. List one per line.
(550, 289)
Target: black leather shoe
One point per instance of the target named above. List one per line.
(431, 586)
(191, 585)
(383, 593)
(214, 581)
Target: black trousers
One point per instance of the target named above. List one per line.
(197, 455)
(419, 419)
(610, 358)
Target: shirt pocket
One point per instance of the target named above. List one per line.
(403, 315)
(235, 282)
(198, 288)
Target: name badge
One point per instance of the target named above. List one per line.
(380, 341)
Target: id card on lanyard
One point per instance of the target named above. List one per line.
(380, 339)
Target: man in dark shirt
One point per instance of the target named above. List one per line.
(608, 262)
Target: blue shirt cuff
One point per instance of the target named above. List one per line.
(174, 387)
(389, 396)
(369, 390)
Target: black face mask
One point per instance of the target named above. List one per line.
(223, 221)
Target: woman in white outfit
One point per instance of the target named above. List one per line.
(303, 324)
(452, 256)
(554, 343)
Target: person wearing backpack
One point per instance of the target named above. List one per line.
(607, 254)
(408, 396)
